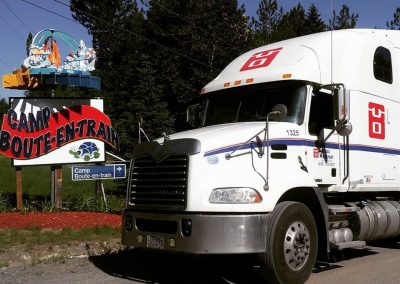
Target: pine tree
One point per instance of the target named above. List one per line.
(395, 23)
(269, 16)
(313, 22)
(146, 106)
(118, 29)
(344, 20)
(211, 32)
(154, 62)
(28, 43)
(3, 110)
(292, 24)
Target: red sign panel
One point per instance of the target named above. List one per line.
(376, 120)
(260, 59)
(32, 136)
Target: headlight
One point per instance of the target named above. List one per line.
(235, 195)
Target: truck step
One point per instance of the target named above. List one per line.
(342, 209)
(345, 245)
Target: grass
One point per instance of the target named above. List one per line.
(36, 236)
(37, 180)
(36, 185)
(3, 263)
(34, 245)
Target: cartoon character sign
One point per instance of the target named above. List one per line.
(86, 151)
(45, 53)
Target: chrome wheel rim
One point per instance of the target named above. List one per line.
(297, 245)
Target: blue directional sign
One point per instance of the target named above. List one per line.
(108, 171)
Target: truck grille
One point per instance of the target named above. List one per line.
(160, 185)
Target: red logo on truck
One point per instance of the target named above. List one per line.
(316, 152)
(376, 118)
(260, 59)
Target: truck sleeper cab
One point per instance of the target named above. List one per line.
(284, 165)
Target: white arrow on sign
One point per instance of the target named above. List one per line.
(119, 169)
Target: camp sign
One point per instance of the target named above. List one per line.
(56, 131)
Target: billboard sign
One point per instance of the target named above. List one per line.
(56, 131)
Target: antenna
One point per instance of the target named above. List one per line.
(331, 41)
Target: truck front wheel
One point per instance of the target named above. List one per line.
(291, 244)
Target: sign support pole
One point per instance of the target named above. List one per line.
(97, 190)
(56, 186)
(97, 187)
(18, 179)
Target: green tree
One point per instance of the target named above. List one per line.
(3, 110)
(344, 20)
(145, 106)
(211, 32)
(265, 27)
(155, 61)
(28, 43)
(313, 22)
(117, 49)
(292, 24)
(395, 23)
(113, 25)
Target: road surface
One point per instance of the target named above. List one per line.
(379, 263)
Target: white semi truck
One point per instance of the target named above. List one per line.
(297, 155)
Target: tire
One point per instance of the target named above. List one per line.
(290, 226)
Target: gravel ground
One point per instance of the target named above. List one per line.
(379, 263)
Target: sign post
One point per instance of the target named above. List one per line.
(98, 173)
(56, 186)
(18, 178)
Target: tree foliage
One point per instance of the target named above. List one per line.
(213, 32)
(269, 16)
(395, 23)
(28, 43)
(3, 110)
(274, 25)
(344, 20)
(313, 22)
(292, 24)
(154, 62)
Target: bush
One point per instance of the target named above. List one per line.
(5, 202)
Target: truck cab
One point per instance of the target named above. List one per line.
(284, 164)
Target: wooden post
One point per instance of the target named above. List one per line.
(56, 186)
(97, 188)
(18, 178)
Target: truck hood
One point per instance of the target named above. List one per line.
(227, 137)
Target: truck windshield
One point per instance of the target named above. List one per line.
(253, 103)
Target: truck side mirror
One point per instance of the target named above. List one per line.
(342, 115)
(345, 129)
(342, 100)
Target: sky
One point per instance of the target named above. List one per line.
(18, 18)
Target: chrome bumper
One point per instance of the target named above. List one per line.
(195, 233)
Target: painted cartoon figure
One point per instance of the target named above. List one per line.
(45, 53)
(86, 151)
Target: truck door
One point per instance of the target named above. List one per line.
(324, 160)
